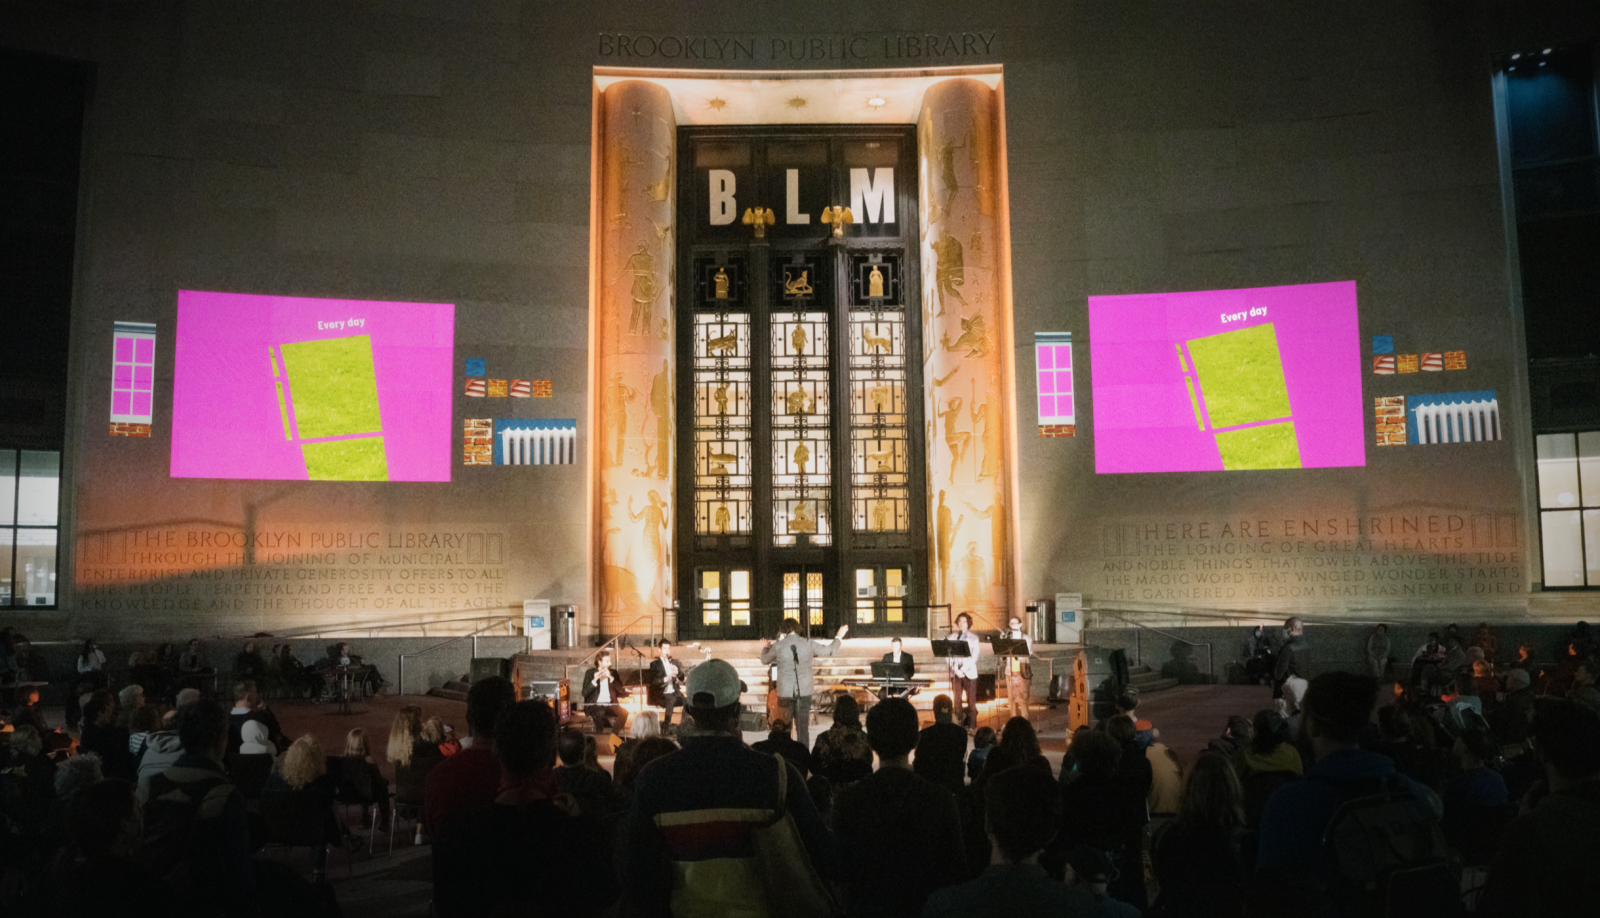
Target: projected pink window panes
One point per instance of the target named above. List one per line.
(133, 367)
(1053, 356)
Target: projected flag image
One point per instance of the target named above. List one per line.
(1227, 380)
(310, 389)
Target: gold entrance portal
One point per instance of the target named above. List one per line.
(643, 406)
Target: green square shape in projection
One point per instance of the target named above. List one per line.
(334, 386)
(361, 459)
(1241, 376)
(1269, 446)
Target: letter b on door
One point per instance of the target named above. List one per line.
(723, 207)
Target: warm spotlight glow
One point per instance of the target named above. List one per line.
(877, 102)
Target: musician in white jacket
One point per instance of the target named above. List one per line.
(964, 671)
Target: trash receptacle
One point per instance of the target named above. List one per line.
(566, 626)
(1040, 621)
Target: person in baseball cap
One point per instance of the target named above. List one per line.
(713, 686)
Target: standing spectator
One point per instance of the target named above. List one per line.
(1097, 809)
(1476, 789)
(1136, 778)
(1510, 719)
(1548, 854)
(1022, 815)
(1145, 732)
(982, 741)
(1378, 652)
(779, 742)
(1294, 663)
(648, 750)
(193, 666)
(687, 847)
(899, 834)
(792, 656)
(1021, 745)
(195, 810)
(506, 863)
(1583, 688)
(91, 664)
(666, 677)
(602, 695)
(1198, 858)
(407, 748)
(1338, 707)
(106, 824)
(941, 747)
(964, 671)
(470, 779)
(842, 753)
(588, 784)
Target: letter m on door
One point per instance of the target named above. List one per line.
(872, 199)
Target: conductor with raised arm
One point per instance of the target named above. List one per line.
(964, 672)
(792, 655)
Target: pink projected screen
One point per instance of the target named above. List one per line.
(278, 387)
(1227, 380)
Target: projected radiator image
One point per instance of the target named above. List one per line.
(1453, 417)
(324, 390)
(535, 442)
(1262, 378)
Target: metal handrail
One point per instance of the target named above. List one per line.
(1138, 645)
(618, 636)
(401, 684)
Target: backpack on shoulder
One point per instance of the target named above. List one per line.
(1388, 853)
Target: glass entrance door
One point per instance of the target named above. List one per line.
(804, 598)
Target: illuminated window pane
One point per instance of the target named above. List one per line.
(8, 488)
(36, 566)
(39, 495)
(711, 597)
(894, 581)
(1563, 551)
(1053, 358)
(1591, 545)
(1589, 467)
(865, 590)
(1558, 470)
(6, 552)
(814, 597)
(739, 591)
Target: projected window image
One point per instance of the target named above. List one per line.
(322, 390)
(1263, 378)
(1053, 356)
(133, 355)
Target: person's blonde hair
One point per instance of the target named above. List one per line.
(303, 762)
(403, 732)
(355, 744)
(432, 731)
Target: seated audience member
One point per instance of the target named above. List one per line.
(1270, 749)
(1583, 689)
(1166, 780)
(469, 780)
(1487, 684)
(842, 754)
(982, 741)
(505, 862)
(780, 742)
(146, 720)
(1021, 744)
(1022, 815)
(27, 777)
(1096, 808)
(369, 679)
(253, 740)
(821, 791)
(360, 779)
(104, 738)
(1235, 737)
(129, 701)
(407, 748)
(1089, 870)
(434, 731)
(941, 746)
(1136, 778)
(1509, 719)
(1567, 661)
(1198, 858)
(92, 663)
(645, 724)
(1338, 707)
(303, 771)
(102, 878)
(1476, 789)
(899, 834)
(1548, 853)
(714, 791)
(588, 784)
(1145, 733)
(249, 706)
(248, 665)
(193, 666)
(291, 676)
(163, 747)
(194, 810)
(646, 751)
(29, 713)
(1484, 638)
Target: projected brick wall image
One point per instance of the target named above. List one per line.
(1263, 378)
(311, 389)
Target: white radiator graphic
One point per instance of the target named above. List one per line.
(538, 446)
(1467, 422)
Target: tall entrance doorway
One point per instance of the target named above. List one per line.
(800, 433)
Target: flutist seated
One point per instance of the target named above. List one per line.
(602, 696)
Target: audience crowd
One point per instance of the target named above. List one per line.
(1446, 782)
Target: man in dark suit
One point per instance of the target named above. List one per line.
(896, 655)
(666, 677)
(602, 695)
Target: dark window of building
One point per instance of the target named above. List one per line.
(42, 103)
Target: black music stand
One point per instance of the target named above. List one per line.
(1009, 647)
(951, 649)
(895, 671)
